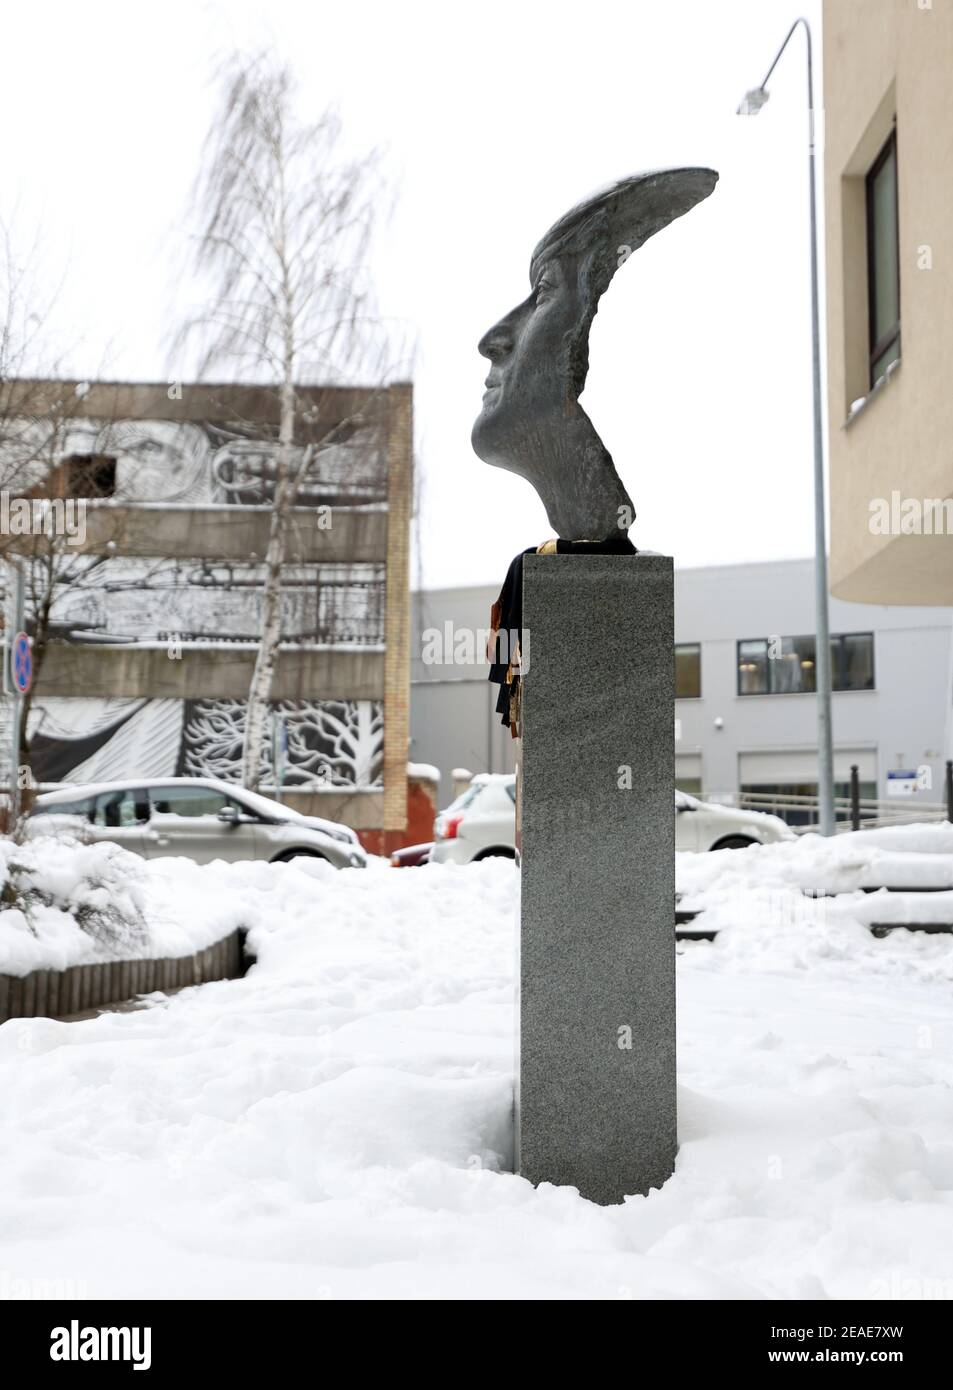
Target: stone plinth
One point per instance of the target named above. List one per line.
(596, 1080)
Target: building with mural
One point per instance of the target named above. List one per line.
(146, 618)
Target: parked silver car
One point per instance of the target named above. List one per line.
(196, 818)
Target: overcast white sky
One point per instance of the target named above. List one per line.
(496, 119)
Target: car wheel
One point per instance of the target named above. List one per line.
(499, 853)
(298, 854)
(734, 842)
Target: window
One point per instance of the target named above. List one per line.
(79, 476)
(753, 667)
(688, 671)
(188, 801)
(853, 661)
(792, 669)
(120, 808)
(776, 666)
(90, 475)
(82, 808)
(787, 665)
(883, 261)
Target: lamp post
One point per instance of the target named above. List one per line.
(750, 106)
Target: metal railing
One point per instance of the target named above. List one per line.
(851, 813)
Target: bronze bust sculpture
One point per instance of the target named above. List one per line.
(531, 422)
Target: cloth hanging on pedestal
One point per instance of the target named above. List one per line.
(506, 621)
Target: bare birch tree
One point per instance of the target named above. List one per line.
(287, 218)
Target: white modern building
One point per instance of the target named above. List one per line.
(745, 711)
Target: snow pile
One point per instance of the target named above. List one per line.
(761, 900)
(339, 1124)
(65, 903)
(906, 856)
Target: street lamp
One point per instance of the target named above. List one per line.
(752, 102)
(750, 106)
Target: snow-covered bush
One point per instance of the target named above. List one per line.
(58, 886)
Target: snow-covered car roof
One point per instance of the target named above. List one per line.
(76, 791)
(267, 806)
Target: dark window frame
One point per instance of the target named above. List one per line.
(748, 641)
(697, 646)
(838, 664)
(876, 349)
(841, 639)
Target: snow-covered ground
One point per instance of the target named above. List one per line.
(753, 899)
(339, 1122)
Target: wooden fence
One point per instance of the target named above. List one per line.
(58, 993)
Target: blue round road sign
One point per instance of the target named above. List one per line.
(21, 660)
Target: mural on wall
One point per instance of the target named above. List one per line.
(139, 600)
(103, 740)
(331, 744)
(334, 743)
(162, 461)
(126, 600)
(202, 464)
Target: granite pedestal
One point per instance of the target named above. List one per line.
(596, 1075)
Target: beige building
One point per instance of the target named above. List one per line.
(151, 611)
(888, 158)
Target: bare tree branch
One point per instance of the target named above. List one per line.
(287, 221)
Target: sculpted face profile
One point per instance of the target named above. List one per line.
(531, 422)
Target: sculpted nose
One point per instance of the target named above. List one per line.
(497, 343)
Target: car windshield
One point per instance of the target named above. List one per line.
(264, 805)
(277, 811)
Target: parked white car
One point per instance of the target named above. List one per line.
(482, 822)
(196, 818)
(703, 825)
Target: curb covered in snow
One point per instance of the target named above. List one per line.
(56, 993)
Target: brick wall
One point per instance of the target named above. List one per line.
(421, 802)
(400, 445)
